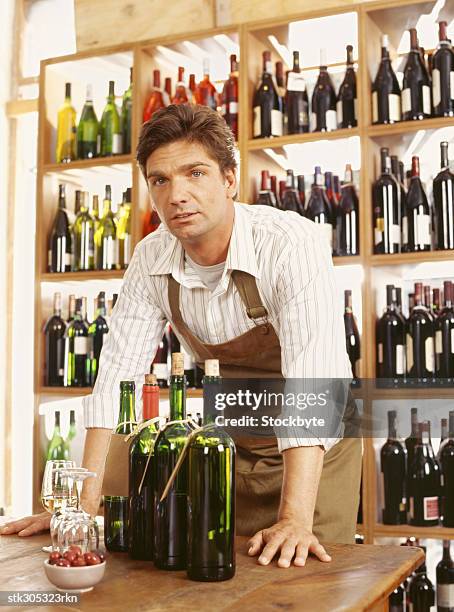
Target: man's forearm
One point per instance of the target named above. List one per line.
(95, 453)
(302, 471)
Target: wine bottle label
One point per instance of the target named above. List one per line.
(422, 230)
(109, 252)
(436, 90)
(404, 230)
(430, 507)
(233, 108)
(426, 106)
(394, 107)
(438, 341)
(374, 107)
(257, 125)
(340, 114)
(80, 345)
(409, 353)
(406, 100)
(276, 122)
(117, 144)
(296, 82)
(161, 371)
(430, 356)
(331, 120)
(380, 352)
(394, 233)
(445, 596)
(378, 236)
(400, 361)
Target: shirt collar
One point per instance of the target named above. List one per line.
(240, 256)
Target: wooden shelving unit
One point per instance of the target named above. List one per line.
(373, 19)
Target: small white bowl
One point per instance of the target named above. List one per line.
(74, 579)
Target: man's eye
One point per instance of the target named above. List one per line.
(158, 181)
(197, 173)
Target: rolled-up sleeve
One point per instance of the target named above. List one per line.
(135, 330)
(310, 325)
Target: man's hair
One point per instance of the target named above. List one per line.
(193, 123)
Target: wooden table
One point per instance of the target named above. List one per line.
(360, 577)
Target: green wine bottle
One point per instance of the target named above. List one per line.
(95, 211)
(77, 358)
(96, 331)
(126, 116)
(66, 130)
(109, 126)
(72, 426)
(87, 130)
(170, 528)
(116, 506)
(124, 231)
(57, 448)
(83, 232)
(106, 236)
(141, 493)
(211, 498)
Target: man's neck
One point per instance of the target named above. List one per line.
(212, 249)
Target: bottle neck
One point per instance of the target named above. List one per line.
(392, 429)
(150, 401)
(447, 551)
(127, 416)
(444, 155)
(177, 398)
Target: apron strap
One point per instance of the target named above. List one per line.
(247, 288)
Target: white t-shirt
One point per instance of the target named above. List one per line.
(209, 275)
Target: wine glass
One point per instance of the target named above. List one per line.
(55, 491)
(71, 502)
(76, 527)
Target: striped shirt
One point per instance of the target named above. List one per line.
(291, 261)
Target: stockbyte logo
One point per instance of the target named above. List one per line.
(265, 399)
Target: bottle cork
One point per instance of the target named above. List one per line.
(177, 364)
(211, 367)
(150, 379)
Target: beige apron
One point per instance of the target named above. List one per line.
(259, 465)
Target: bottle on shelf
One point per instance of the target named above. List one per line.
(443, 194)
(420, 591)
(211, 497)
(66, 130)
(95, 211)
(393, 459)
(391, 340)
(290, 198)
(347, 217)
(106, 237)
(444, 335)
(436, 303)
(447, 466)
(420, 340)
(116, 506)
(352, 337)
(140, 525)
(168, 87)
(445, 580)
(386, 213)
(443, 75)
(72, 427)
(418, 212)
(229, 98)
(181, 92)
(124, 231)
(60, 244)
(158, 98)
(54, 351)
(77, 354)
(410, 442)
(324, 100)
(267, 105)
(126, 115)
(402, 204)
(296, 100)
(274, 189)
(266, 196)
(159, 366)
(96, 332)
(280, 88)
(424, 481)
(206, 93)
(87, 130)
(318, 208)
(71, 308)
(57, 448)
(300, 181)
(396, 600)
(346, 100)
(170, 516)
(386, 104)
(416, 84)
(110, 126)
(192, 86)
(83, 231)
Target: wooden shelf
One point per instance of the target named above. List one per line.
(403, 127)
(56, 277)
(399, 259)
(407, 531)
(87, 164)
(413, 393)
(256, 144)
(350, 260)
(82, 391)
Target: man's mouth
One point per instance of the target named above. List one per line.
(184, 215)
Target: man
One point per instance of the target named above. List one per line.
(253, 287)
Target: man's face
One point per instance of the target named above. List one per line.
(189, 191)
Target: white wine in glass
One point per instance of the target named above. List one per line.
(55, 491)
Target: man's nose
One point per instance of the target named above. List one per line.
(177, 191)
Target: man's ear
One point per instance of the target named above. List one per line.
(231, 182)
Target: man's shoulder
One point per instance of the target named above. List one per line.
(156, 242)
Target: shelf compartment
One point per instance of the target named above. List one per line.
(88, 164)
(403, 127)
(280, 141)
(406, 531)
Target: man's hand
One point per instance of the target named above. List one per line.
(28, 525)
(291, 539)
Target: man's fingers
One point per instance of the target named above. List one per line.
(255, 544)
(320, 552)
(287, 553)
(15, 526)
(301, 555)
(271, 548)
